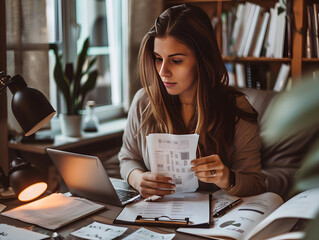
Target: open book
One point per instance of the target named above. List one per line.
(261, 217)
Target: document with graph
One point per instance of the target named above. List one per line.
(170, 155)
(263, 216)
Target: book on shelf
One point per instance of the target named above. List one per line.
(315, 7)
(282, 77)
(236, 27)
(225, 46)
(247, 26)
(242, 28)
(231, 74)
(271, 38)
(230, 24)
(252, 30)
(289, 28)
(262, 217)
(240, 75)
(314, 28)
(256, 46)
(312, 40)
(250, 83)
(280, 34)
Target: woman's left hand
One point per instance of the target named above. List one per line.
(211, 169)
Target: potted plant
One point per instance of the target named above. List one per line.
(74, 86)
(295, 111)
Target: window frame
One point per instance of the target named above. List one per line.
(66, 24)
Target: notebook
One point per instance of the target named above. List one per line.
(86, 177)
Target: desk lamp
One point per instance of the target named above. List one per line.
(32, 111)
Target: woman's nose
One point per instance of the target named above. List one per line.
(164, 71)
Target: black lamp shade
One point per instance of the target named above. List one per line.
(26, 180)
(29, 106)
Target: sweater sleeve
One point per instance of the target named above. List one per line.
(245, 157)
(130, 155)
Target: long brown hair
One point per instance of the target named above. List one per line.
(215, 112)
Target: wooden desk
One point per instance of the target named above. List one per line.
(104, 216)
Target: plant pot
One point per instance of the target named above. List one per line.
(71, 125)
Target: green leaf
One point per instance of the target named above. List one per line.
(60, 80)
(90, 65)
(293, 112)
(79, 67)
(313, 230)
(308, 175)
(89, 84)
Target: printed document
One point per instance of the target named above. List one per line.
(261, 217)
(8, 232)
(145, 234)
(54, 211)
(170, 155)
(99, 231)
(195, 206)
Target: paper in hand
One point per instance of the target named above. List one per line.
(170, 155)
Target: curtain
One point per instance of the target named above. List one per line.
(27, 47)
(141, 17)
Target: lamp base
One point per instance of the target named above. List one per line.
(7, 193)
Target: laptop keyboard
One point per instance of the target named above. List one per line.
(125, 195)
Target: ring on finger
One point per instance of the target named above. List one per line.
(213, 173)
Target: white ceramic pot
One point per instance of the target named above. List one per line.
(71, 125)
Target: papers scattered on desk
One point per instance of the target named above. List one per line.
(145, 234)
(8, 232)
(54, 211)
(170, 156)
(99, 231)
(2, 207)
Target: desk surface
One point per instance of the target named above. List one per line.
(104, 216)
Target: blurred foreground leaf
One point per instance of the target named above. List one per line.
(294, 111)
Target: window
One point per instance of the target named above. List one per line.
(69, 24)
(32, 24)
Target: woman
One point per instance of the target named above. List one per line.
(185, 91)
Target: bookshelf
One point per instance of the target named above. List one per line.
(299, 64)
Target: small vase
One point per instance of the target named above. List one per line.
(71, 125)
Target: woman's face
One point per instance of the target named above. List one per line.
(176, 65)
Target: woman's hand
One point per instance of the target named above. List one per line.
(211, 169)
(149, 184)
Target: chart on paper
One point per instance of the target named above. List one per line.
(170, 155)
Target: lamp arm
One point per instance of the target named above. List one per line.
(4, 81)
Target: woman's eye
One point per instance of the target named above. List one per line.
(158, 59)
(176, 61)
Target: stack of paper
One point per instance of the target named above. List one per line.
(54, 211)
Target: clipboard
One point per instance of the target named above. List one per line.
(177, 210)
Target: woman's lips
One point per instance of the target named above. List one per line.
(169, 84)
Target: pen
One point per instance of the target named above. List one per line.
(227, 208)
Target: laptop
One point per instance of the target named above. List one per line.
(86, 177)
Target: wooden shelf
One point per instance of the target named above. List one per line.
(254, 59)
(314, 60)
(173, 2)
(216, 7)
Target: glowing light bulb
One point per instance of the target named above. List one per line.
(33, 191)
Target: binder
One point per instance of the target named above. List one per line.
(177, 210)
